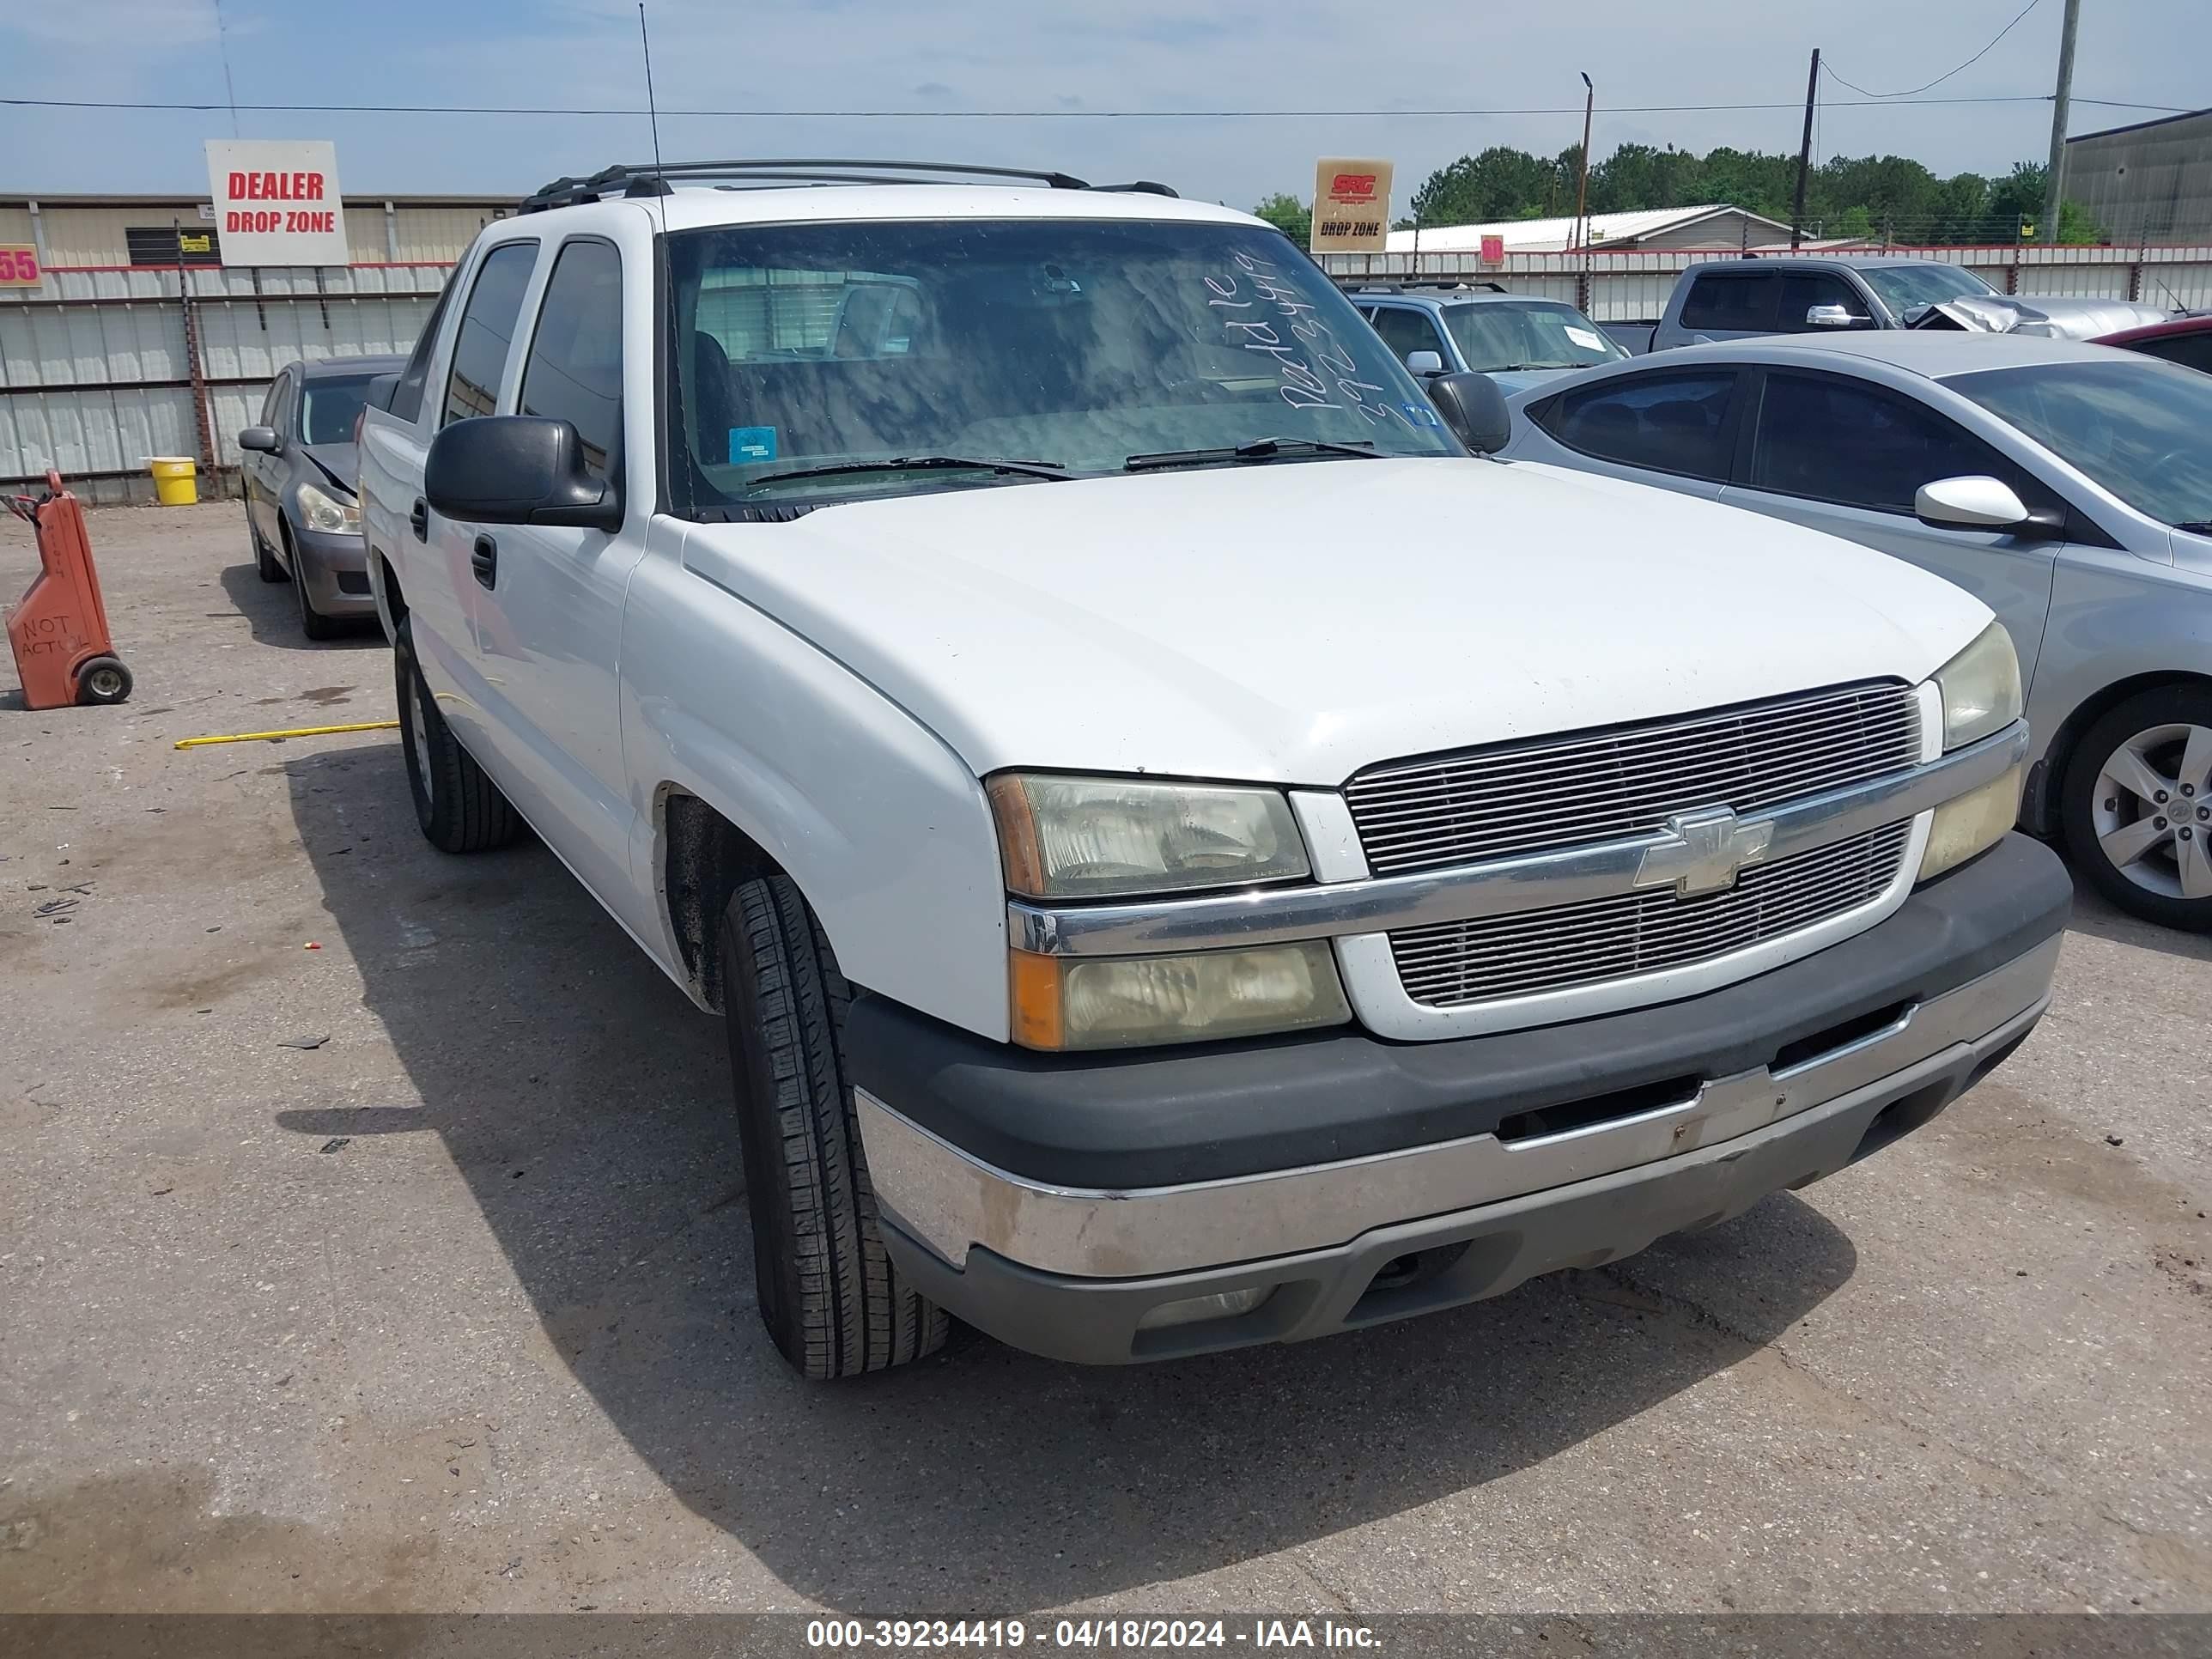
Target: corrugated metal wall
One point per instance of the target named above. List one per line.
(98, 369)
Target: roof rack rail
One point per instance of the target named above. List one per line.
(1364, 284)
(653, 177)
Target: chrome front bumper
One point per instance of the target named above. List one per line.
(954, 1203)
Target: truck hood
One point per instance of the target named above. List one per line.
(2047, 315)
(1292, 622)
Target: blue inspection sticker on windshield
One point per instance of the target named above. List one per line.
(1418, 413)
(752, 443)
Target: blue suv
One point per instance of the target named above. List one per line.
(1519, 340)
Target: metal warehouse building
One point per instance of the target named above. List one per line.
(137, 341)
(2150, 182)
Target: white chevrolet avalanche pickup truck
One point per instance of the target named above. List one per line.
(1303, 873)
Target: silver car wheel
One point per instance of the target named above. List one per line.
(419, 729)
(2152, 810)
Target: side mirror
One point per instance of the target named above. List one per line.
(1474, 408)
(1977, 501)
(260, 439)
(380, 390)
(1835, 317)
(1426, 363)
(517, 469)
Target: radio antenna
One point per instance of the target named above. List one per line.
(651, 109)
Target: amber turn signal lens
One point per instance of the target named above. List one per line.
(1035, 1005)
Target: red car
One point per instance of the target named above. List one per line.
(2185, 340)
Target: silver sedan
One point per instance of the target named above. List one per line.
(2069, 486)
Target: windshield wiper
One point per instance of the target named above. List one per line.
(2197, 526)
(1259, 449)
(919, 464)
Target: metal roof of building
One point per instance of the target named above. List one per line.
(1554, 235)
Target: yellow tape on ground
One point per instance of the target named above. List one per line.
(297, 731)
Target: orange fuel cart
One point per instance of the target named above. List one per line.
(59, 632)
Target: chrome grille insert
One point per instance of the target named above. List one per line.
(1564, 792)
(1456, 962)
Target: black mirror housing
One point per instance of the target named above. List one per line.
(517, 469)
(1474, 408)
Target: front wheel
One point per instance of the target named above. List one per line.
(2138, 805)
(460, 810)
(832, 1300)
(265, 562)
(313, 623)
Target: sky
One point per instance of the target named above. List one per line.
(929, 63)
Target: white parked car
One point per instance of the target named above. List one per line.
(1297, 874)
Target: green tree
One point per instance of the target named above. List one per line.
(1501, 183)
(1288, 215)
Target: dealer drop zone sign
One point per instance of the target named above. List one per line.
(276, 201)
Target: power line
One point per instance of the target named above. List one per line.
(1022, 114)
(1910, 91)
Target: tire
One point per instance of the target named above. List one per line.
(270, 567)
(103, 680)
(834, 1304)
(2150, 856)
(459, 809)
(313, 623)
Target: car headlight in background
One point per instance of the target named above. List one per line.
(1066, 837)
(1980, 687)
(1120, 1002)
(330, 516)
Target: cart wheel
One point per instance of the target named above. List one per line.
(103, 679)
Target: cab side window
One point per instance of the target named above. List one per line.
(488, 332)
(407, 395)
(1803, 289)
(574, 370)
(1735, 301)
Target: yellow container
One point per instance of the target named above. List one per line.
(175, 479)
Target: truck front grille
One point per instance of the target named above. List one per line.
(1604, 786)
(1452, 963)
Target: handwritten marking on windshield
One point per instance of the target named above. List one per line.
(1330, 379)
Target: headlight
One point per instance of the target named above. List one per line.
(1101, 837)
(1973, 823)
(1120, 1002)
(1980, 687)
(329, 516)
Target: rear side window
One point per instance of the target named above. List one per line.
(1668, 422)
(2190, 350)
(1732, 301)
(407, 395)
(488, 332)
(574, 371)
(1857, 445)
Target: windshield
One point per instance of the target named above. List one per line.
(2135, 426)
(1903, 287)
(1072, 345)
(1508, 334)
(327, 408)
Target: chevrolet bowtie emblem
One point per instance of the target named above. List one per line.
(1703, 851)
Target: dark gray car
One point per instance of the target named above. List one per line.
(298, 467)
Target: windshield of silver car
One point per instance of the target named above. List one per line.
(820, 362)
(1497, 335)
(1903, 287)
(2135, 425)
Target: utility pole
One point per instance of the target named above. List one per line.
(1582, 190)
(2054, 188)
(1805, 151)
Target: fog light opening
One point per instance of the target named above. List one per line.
(1192, 1310)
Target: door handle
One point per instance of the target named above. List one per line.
(484, 559)
(419, 516)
